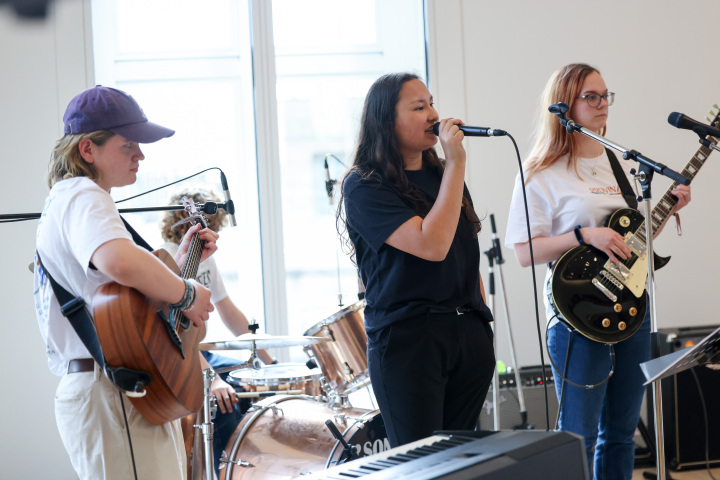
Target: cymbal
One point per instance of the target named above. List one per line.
(262, 340)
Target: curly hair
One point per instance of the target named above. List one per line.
(215, 222)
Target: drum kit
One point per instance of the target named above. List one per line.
(301, 421)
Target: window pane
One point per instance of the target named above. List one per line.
(325, 65)
(187, 63)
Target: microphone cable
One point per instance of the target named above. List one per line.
(534, 282)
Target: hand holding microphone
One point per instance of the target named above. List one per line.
(474, 131)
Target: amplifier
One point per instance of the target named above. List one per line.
(684, 426)
(534, 394)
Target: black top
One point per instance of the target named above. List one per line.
(400, 285)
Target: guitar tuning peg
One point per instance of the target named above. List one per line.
(715, 106)
(708, 118)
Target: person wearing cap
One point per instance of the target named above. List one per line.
(83, 243)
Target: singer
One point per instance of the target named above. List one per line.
(409, 222)
(571, 190)
(83, 243)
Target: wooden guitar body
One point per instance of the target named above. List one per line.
(133, 335)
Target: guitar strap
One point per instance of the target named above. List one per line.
(622, 180)
(74, 309)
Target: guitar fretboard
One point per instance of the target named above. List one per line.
(661, 212)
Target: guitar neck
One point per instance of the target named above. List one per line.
(192, 261)
(661, 213)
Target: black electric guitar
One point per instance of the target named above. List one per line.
(604, 301)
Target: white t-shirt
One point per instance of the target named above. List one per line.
(78, 217)
(207, 275)
(558, 201)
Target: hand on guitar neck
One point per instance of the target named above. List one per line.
(208, 237)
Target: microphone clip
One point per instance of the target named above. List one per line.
(560, 109)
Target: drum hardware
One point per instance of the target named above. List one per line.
(207, 426)
(338, 401)
(224, 460)
(344, 419)
(348, 451)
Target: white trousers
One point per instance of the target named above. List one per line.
(89, 416)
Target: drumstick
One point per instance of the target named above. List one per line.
(268, 393)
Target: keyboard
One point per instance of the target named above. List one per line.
(489, 455)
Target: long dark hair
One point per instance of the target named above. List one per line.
(377, 154)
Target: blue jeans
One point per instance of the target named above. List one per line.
(606, 415)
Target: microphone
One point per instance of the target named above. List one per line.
(229, 205)
(329, 183)
(679, 120)
(474, 131)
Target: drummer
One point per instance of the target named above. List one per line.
(231, 409)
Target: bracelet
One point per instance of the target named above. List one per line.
(188, 299)
(578, 235)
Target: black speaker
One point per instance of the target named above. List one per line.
(534, 395)
(684, 424)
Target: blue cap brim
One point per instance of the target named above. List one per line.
(143, 132)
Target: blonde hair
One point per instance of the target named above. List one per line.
(66, 161)
(215, 222)
(552, 141)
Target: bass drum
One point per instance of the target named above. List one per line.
(285, 437)
(343, 360)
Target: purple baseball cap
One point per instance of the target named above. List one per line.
(105, 108)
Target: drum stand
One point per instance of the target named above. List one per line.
(495, 258)
(207, 427)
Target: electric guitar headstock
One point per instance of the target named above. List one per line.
(714, 120)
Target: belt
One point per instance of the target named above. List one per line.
(81, 365)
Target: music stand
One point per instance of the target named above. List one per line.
(705, 351)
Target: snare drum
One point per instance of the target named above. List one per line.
(285, 436)
(343, 360)
(278, 378)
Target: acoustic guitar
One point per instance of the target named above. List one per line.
(604, 301)
(143, 334)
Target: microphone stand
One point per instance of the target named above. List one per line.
(329, 189)
(495, 257)
(209, 208)
(647, 169)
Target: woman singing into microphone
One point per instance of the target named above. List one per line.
(410, 224)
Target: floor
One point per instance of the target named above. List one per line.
(701, 474)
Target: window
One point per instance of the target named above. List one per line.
(194, 67)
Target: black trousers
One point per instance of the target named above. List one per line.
(431, 373)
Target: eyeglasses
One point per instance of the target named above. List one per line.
(593, 99)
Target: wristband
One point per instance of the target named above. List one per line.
(578, 235)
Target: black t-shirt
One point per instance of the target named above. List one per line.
(400, 285)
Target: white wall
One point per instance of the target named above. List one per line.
(44, 63)
(489, 62)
